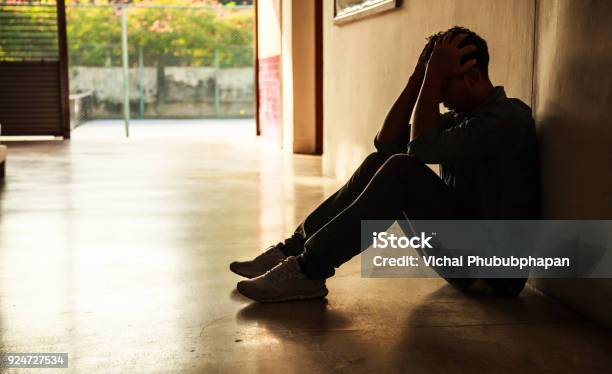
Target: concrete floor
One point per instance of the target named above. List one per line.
(116, 251)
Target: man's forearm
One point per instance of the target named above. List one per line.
(427, 111)
(398, 118)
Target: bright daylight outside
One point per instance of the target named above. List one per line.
(154, 64)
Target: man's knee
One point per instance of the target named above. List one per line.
(403, 163)
(374, 160)
(376, 157)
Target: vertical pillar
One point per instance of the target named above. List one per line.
(63, 69)
(126, 82)
(141, 80)
(217, 103)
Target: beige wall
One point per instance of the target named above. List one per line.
(573, 101)
(367, 63)
(298, 46)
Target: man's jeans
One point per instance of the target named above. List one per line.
(384, 188)
(381, 188)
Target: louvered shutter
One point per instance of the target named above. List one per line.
(33, 68)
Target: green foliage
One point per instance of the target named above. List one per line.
(27, 32)
(167, 36)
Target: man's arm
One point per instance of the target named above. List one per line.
(396, 125)
(427, 113)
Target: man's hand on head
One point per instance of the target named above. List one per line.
(419, 70)
(445, 60)
(396, 123)
(444, 63)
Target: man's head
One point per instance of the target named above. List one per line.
(466, 91)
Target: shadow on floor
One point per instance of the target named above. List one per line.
(446, 332)
(298, 315)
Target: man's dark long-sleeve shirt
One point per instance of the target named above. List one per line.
(489, 157)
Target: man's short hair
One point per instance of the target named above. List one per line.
(481, 53)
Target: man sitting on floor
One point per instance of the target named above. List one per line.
(486, 146)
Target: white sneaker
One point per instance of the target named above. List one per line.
(284, 282)
(260, 264)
